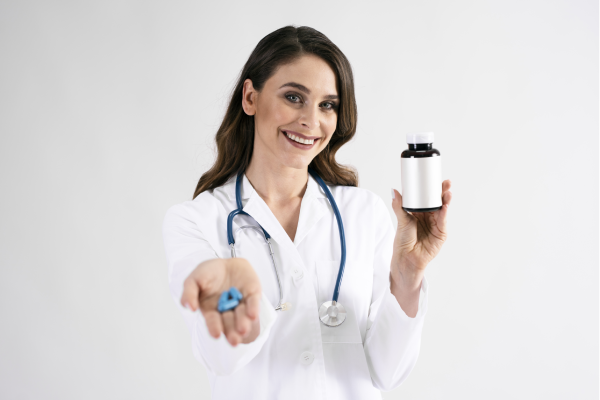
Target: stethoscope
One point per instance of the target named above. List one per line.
(331, 313)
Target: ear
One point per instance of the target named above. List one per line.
(249, 95)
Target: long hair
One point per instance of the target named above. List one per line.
(235, 137)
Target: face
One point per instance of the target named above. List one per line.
(295, 114)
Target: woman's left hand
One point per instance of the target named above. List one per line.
(419, 239)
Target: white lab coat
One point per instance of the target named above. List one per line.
(296, 356)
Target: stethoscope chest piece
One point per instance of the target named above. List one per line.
(332, 313)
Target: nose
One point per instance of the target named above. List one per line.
(310, 117)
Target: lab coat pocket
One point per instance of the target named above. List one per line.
(355, 294)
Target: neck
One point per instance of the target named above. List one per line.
(276, 183)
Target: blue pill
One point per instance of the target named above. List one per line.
(224, 296)
(229, 299)
(235, 293)
(228, 305)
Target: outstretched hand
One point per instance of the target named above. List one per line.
(202, 290)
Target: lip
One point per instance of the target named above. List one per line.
(300, 145)
(301, 135)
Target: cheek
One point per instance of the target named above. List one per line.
(329, 126)
(278, 114)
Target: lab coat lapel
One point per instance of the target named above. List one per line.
(288, 254)
(262, 214)
(229, 203)
(312, 210)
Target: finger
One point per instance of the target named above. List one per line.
(229, 328)
(253, 306)
(191, 291)
(445, 189)
(447, 197)
(446, 185)
(213, 323)
(203, 281)
(242, 322)
(402, 215)
(443, 213)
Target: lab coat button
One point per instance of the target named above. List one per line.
(297, 273)
(307, 358)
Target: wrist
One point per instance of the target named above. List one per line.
(407, 296)
(405, 276)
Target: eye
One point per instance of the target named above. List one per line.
(330, 106)
(292, 97)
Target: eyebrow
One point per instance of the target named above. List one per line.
(307, 91)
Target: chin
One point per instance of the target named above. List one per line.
(297, 162)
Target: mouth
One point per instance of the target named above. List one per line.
(300, 141)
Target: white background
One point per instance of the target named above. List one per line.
(108, 111)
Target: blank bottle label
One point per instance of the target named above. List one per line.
(421, 182)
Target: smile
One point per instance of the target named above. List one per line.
(299, 139)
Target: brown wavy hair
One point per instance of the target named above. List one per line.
(235, 137)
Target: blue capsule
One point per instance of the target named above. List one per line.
(224, 297)
(235, 293)
(229, 300)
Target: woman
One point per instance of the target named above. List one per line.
(294, 107)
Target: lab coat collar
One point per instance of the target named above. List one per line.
(312, 189)
(247, 189)
(311, 209)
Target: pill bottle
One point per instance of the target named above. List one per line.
(421, 168)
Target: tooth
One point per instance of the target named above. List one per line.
(311, 141)
(303, 141)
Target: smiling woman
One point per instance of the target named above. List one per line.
(294, 122)
(334, 94)
(266, 219)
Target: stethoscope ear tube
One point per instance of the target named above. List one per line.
(231, 239)
(238, 189)
(238, 200)
(338, 217)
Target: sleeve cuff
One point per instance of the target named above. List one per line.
(393, 341)
(422, 302)
(224, 359)
(267, 316)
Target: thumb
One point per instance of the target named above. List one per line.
(401, 214)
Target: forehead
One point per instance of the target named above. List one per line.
(310, 71)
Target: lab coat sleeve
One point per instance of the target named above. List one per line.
(393, 339)
(185, 248)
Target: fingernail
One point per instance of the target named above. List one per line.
(187, 305)
(393, 194)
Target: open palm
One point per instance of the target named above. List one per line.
(204, 286)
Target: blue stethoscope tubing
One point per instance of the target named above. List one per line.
(338, 217)
(331, 313)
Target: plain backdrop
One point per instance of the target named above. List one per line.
(108, 111)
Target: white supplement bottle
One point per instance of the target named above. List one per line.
(421, 174)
